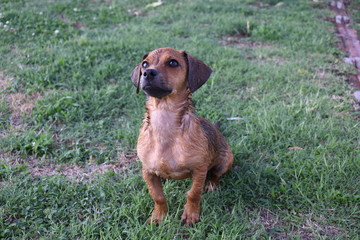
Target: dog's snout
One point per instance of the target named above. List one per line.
(150, 73)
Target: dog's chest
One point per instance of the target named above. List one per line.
(167, 168)
(160, 148)
(164, 161)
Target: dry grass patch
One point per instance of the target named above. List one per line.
(19, 103)
(41, 168)
(279, 228)
(238, 40)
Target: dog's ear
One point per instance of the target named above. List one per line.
(136, 74)
(197, 72)
(135, 77)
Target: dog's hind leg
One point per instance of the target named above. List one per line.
(225, 161)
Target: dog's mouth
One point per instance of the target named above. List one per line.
(155, 91)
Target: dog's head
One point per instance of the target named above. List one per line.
(167, 71)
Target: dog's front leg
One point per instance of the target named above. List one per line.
(156, 191)
(191, 213)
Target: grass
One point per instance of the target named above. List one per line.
(276, 71)
(354, 13)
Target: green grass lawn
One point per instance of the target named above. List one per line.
(67, 106)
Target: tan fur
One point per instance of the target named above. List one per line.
(173, 142)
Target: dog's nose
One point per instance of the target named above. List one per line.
(150, 73)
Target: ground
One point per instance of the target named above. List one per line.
(69, 119)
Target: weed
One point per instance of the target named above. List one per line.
(33, 143)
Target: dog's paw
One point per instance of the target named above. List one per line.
(210, 186)
(190, 217)
(157, 216)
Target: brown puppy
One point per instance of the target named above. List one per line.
(174, 142)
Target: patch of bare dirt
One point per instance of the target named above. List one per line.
(40, 168)
(243, 42)
(78, 25)
(238, 40)
(19, 103)
(279, 228)
(354, 81)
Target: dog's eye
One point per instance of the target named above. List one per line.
(173, 63)
(145, 64)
